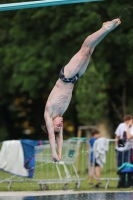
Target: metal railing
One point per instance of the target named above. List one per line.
(110, 167)
(71, 169)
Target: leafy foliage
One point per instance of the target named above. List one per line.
(91, 96)
(36, 43)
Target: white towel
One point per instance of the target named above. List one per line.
(100, 149)
(12, 158)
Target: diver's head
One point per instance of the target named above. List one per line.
(58, 124)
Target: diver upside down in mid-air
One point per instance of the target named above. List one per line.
(59, 98)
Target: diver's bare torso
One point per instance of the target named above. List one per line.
(59, 98)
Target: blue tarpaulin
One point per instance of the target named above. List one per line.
(29, 154)
(126, 167)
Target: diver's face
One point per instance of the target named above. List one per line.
(58, 124)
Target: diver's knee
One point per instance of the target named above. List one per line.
(87, 51)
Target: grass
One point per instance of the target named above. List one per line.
(48, 171)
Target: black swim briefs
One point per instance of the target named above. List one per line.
(68, 80)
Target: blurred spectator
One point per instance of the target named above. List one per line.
(123, 145)
(95, 136)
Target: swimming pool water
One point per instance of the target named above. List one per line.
(82, 196)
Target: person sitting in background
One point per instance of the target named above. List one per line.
(95, 136)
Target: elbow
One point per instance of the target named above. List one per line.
(51, 135)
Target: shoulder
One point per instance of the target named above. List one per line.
(121, 125)
(92, 140)
(120, 128)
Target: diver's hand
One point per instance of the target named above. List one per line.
(110, 25)
(55, 160)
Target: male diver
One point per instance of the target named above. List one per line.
(60, 97)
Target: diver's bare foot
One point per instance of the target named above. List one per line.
(110, 25)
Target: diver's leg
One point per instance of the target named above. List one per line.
(80, 60)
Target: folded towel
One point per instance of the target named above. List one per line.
(100, 148)
(12, 158)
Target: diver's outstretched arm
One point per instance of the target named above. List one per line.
(59, 140)
(51, 135)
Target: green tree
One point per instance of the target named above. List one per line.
(36, 43)
(91, 96)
